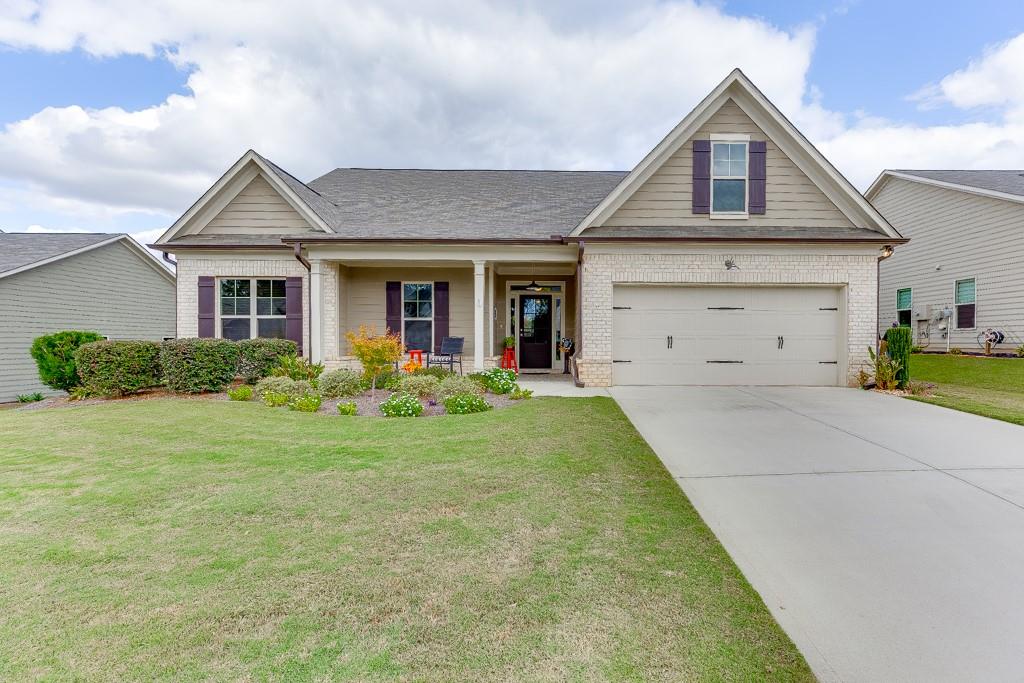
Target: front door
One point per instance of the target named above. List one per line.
(535, 331)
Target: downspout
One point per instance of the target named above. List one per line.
(309, 318)
(168, 259)
(299, 257)
(887, 251)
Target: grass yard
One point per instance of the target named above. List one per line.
(192, 540)
(993, 387)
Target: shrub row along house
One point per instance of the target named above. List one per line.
(964, 271)
(101, 282)
(733, 253)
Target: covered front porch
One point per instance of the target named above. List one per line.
(428, 292)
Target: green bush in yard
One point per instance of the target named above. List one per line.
(451, 386)
(258, 357)
(464, 404)
(275, 399)
(192, 366)
(310, 403)
(297, 368)
(401, 405)
(339, 383)
(348, 408)
(519, 394)
(54, 355)
(282, 385)
(496, 380)
(118, 368)
(434, 371)
(900, 340)
(422, 385)
(30, 398)
(240, 393)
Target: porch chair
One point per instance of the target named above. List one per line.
(451, 353)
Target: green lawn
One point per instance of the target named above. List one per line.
(193, 540)
(993, 387)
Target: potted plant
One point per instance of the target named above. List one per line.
(509, 342)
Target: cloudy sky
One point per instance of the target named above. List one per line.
(117, 115)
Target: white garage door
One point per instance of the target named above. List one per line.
(726, 335)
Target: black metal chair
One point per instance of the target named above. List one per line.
(451, 353)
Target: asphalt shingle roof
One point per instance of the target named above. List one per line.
(1010, 182)
(19, 249)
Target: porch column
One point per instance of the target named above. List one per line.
(316, 307)
(491, 307)
(478, 315)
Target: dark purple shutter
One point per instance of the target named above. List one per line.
(207, 306)
(440, 314)
(701, 176)
(393, 299)
(757, 176)
(293, 310)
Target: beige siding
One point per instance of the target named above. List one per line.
(793, 200)
(953, 235)
(363, 298)
(110, 290)
(257, 208)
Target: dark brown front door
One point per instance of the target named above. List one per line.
(535, 331)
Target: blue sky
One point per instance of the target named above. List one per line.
(117, 118)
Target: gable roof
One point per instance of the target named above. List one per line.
(1008, 185)
(21, 251)
(738, 88)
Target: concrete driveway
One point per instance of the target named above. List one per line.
(885, 535)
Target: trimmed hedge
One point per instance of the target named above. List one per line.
(55, 357)
(257, 357)
(117, 368)
(900, 341)
(193, 366)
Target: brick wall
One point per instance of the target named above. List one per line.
(854, 268)
(191, 266)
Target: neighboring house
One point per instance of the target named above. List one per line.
(733, 253)
(75, 281)
(964, 269)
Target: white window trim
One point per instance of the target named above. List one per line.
(433, 299)
(252, 317)
(956, 306)
(743, 138)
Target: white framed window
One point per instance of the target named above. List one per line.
(729, 175)
(965, 298)
(251, 308)
(418, 315)
(904, 304)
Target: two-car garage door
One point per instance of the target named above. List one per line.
(726, 335)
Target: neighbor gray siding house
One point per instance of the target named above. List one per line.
(965, 259)
(51, 282)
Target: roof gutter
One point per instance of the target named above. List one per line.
(740, 240)
(417, 240)
(299, 257)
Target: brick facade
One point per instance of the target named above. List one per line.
(191, 266)
(853, 268)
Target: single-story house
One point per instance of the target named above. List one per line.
(76, 281)
(733, 253)
(950, 285)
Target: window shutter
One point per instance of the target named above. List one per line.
(440, 314)
(701, 176)
(207, 306)
(293, 310)
(393, 301)
(757, 152)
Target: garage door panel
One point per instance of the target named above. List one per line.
(713, 324)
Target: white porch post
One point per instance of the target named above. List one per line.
(478, 315)
(316, 307)
(490, 311)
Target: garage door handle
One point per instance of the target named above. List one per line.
(723, 361)
(782, 341)
(668, 341)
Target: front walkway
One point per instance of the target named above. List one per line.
(557, 385)
(885, 535)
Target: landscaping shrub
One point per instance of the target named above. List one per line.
(1019, 351)
(900, 340)
(421, 385)
(377, 353)
(192, 366)
(310, 403)
(916, 349)
(117, 368)
(434, 371)
(241, 393)
(348, 408)
(451, 386)
(401, 405)
(258, 357)
(276, 399)
(30, 398)
(282, 385)
(498, 381)
(55, 357)
(297, 368)
(464, 404)
(956, 351)
(338, 383)
(885, 368)
(518, 394)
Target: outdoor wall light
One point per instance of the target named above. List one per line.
(731, 265)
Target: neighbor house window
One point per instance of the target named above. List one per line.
(418, 315)
(251, 308)
(728, 177)
(904, 301)
(965, 304)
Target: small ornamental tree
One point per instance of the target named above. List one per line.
(377, 352)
